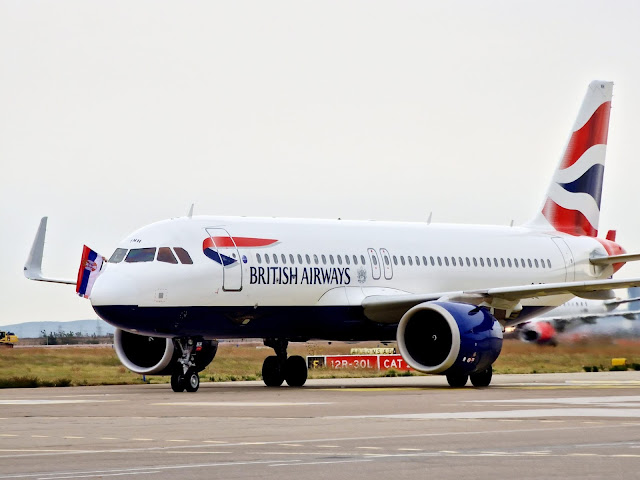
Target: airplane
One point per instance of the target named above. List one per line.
(576, 312)
(444, 292)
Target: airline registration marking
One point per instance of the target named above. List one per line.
(299, 276)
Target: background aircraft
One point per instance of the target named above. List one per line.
(579, 312)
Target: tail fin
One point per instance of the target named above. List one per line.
(572, 204)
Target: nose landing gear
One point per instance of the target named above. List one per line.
(278, 368)
(196, 355)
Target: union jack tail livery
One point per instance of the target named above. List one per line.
(572, 204)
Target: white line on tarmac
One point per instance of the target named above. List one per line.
(135, 470)
(241, 404)
(500, 414)
(52, 402)
(319, 440)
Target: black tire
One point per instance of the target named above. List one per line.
(457, 380)
(295, 371)
(192, 381)
(272, 372)
(177, 382)
(482, 379)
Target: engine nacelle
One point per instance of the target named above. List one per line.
(443, 337)
(541, 332)
(156, 355)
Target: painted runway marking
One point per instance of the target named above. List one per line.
(533, 413)
(52, 402)
(27, 453)
(610, 401)
(241, 404)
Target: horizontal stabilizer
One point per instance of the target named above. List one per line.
(33, 267)
(629, 257)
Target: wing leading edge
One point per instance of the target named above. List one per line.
(504, 300)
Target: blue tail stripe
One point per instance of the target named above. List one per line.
(590, 183)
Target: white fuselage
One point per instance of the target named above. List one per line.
(333, 263)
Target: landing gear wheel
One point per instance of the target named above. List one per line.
(177, 382)
(457, 380)
(192, 381)
(482, 379)
(295, 371)
(272, 372)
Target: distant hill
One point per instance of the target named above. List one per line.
(85, 327)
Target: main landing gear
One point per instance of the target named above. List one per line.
(478, 379)
(195, 354)
(278, 368)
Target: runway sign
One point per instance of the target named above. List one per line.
(370, 362)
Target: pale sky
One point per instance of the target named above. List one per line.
(117, 114)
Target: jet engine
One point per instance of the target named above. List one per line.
(444, 337)
(541, 332)
(157, 355)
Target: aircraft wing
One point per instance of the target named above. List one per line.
(390, 308)
(33, 267)
(591, 318)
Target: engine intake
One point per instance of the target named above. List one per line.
(444, 337)
(156, 355)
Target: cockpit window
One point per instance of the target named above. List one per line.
(166, 255)
(141, 255)
(183, 255)
(118, 255)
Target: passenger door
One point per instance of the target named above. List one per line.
(386, 263)
(375, 264)
(228, 257)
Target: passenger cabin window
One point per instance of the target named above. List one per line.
(410, 261)
(402, 259)
(183, 255)
(258, 258)
(548, 263)
(362, 260)
(395, 260)
(339, 260)
(118, 255)
(141, 255)
(299, 259)
(324, 260)
(291, 259)
(424, 260)
(275, 259)
(346, 259)
(284, 259)
(166, 255)
(355, 260)
(266, 258)
(331, 259)
(315, 259)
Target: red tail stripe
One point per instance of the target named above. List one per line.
(594, 132)
(568, 221)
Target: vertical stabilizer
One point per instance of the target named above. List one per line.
(572, 204)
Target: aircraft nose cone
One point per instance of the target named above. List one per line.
(114, 288)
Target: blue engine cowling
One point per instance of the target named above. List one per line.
(443, 337)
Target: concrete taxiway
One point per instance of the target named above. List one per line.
(523, 426)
